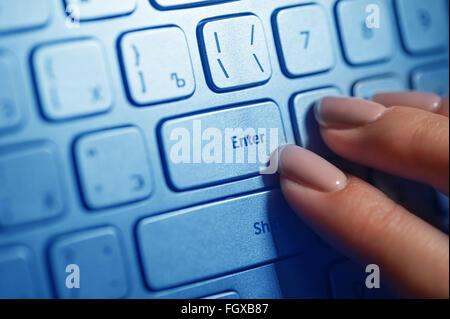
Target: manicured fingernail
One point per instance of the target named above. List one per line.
(421, 100)
(310, 170)
(443, 107)
(345, 112)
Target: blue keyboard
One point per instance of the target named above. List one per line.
(92, 204)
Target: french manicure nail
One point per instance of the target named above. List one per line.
(310, 170)
(344, 112)
(421, 100)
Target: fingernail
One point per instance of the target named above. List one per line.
(310, 170)
(344, 112)
(421, 100)
(443, 107)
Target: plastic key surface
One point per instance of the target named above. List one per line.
(16, 276)
(367, 36)
(30, 185)
(89, 264)
(211, 240)
(220, 146)
(423, 25)
(98, 9)
(304, 39)
(72, 79)
(431, 79)
(157, 65)
(113, 167)
(224, 295)
(10, 111)
(235, 50)
(18, 15)
(176, 4)
(368, 88)
(305, 124)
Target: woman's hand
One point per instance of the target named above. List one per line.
(406, 134)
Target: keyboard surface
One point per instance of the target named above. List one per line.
(91, 93)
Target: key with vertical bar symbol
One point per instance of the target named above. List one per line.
(236, 51)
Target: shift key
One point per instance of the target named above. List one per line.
(216, 239)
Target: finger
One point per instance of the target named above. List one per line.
(404, 141)
(443, 109)
(365, 224)
(421, 100)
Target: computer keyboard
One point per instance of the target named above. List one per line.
(91, 92)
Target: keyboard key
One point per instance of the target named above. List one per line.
(158, 65)
(20, 15)
(225, 295)
(30, 186)
(362, 44)
(10, 112)
(236, 53)
(215, 239)
(423, 25)
(305, 125)
(431, 79)
(226, 144)
(304, 38)
(175, 4)
(72, 79)
(366, 89)
(98, 9)
(113, 167)
(96, 256)
(16, 276)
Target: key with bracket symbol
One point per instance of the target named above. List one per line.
(149, 58)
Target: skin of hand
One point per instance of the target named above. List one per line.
(402, 133)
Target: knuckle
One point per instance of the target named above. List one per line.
(427, 133)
